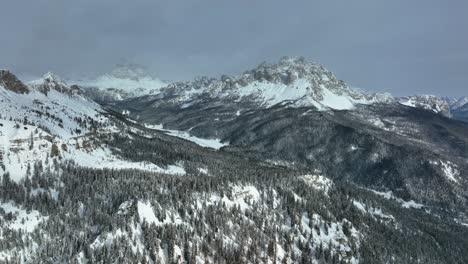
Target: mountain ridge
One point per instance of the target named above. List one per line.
(210, 172)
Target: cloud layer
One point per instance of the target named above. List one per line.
(404, 47)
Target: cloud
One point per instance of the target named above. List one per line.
(399, 46)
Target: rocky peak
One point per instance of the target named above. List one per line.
(51, 81)
(12, 83)
(291, 79)
(427, 102)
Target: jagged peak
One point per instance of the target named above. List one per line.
(51, 81)
(52, 77)
(292, 79)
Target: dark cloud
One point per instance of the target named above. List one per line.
(401, 46)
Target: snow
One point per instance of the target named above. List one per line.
(274, 93)
(374, 212)
(52, 119)
(23, 220)
(411, 204)
(203, 171)
(146, 213)
(101, 158)
(318, 182)
(333, 237)
(339, 102)
(449, 170)
(427, 102)
(405, 204)
(241, 196)
(62, 106)
(207, 143)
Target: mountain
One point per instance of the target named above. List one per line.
(48, 118)
(291, 81)
(458, 107)
(456, 103)
(281, 164)
(123, 82)
(428, 102)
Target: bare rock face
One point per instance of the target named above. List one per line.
(51, 81)
(12, 83)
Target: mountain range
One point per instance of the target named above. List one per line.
(283, 163)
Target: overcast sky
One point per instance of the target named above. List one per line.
(400, 46)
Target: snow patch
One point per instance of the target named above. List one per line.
(22, 219)
(207, 143)
(405, 204)
(318, 182)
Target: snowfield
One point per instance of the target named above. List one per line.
(207, 143)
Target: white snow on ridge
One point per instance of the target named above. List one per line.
(64, 107)
(299, 91)
(101, 158)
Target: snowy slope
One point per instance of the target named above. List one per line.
(54, 121)
(203, 142)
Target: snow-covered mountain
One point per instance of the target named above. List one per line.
(428, 102)
(47, 119)
(456, 103)
(281, 164)
(458, 107)
(292, 80)
(123, 82)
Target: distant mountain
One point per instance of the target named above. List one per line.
(427, 102)
(456, 103)
(458, 107)
(123, 82)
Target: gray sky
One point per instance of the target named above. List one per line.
(400, 46)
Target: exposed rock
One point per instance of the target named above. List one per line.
(12, 83)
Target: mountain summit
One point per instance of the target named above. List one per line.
(292, 80)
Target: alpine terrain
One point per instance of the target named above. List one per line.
(283, 163)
